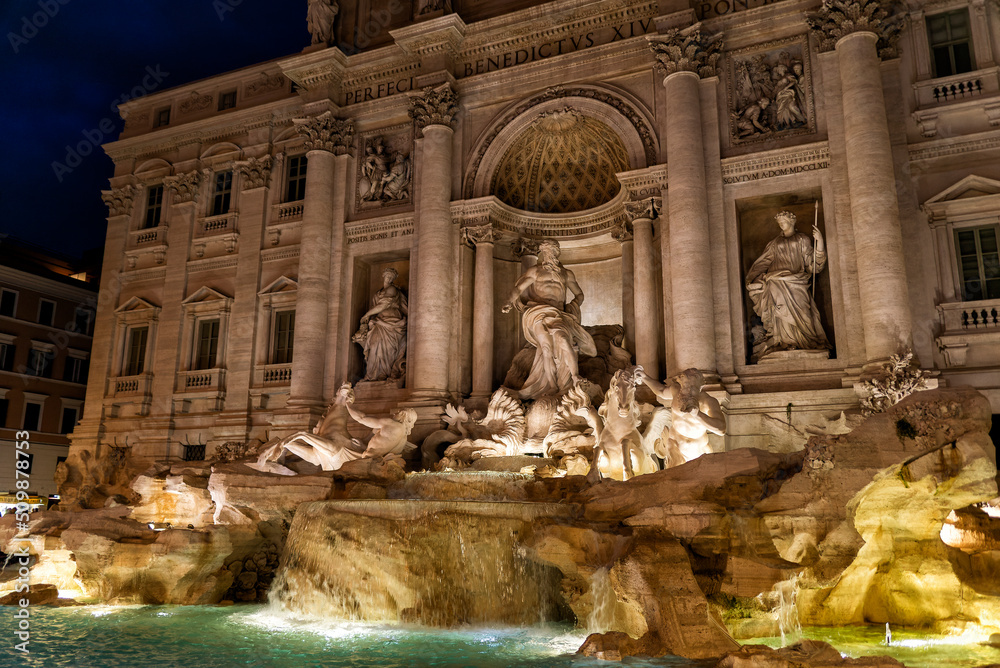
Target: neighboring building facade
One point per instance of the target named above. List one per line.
(47, 308)
(253, 215)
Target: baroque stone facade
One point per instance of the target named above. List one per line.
(656, 141)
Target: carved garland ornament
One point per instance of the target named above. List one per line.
(326, 133)
(434, 106)
(687, 50)
(185, 186)
(838, 18)
(119, 200)
(256, 172)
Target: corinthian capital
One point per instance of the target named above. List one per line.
(687, 50)
(434, 106)
(522, 246)
(326, 133)
(480, 234)
(256, 172)
(119, 200)
(838, 18)
(185, 186)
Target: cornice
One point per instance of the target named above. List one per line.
(778, 162)
(952, 146)
(45, 286)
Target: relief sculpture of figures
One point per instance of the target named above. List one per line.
(769, 95)
(382, 334)
(693, 414)
(550, 323)
(396, 182)
(374, 169)
(780, 284)
(320, 18)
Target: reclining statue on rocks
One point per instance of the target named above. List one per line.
(330, 445)
(619, 452)
(693, 414)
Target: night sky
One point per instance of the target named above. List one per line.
(60, 83)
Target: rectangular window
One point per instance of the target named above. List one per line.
(76, 370)
(162, 118)
(7, 351)
(227, 100)
(8, 303)
(222, 194)
(46, 312)
(978, 262)
(30, 459)
(208, 344)
(39, 363)
(68, 420)
(284, 336)
(83, 318)
(4, 405)
(296, 189)
(32, 416)
(135, 353)
(950, 36)
(154, 207)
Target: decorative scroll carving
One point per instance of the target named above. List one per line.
(687, 50)
(480, 234)
(196, 103)
(326, 133)
(256, 172)
(434, 106)
(838, 18)
(523, 246)
(265, 84)
(770, 89)
(119, 200)
(185, 186)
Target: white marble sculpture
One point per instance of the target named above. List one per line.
(328, 445)
(780, 284)
(499, 434)
(382, 333)
(320, 18)
(693, 414)
(619, 451)
(550, 323)
(389, 435)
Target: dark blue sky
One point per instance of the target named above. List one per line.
(63, 64)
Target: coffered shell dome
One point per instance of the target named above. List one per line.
(564, 162)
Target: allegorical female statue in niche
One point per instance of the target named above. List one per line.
(382, 334)
(780, 286)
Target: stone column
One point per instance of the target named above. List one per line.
(232, 423)
(623, 235)
(646, 329)
(432, 299)
(687, 56)
(483, 238)
(327, 141)
(885, 306)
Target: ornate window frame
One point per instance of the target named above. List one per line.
(204, 304)
(280, 295)
(134, 313)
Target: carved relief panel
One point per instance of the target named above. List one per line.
(385, 169)
(770, 92)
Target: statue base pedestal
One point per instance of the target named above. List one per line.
(370, 389)
(794, 355)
